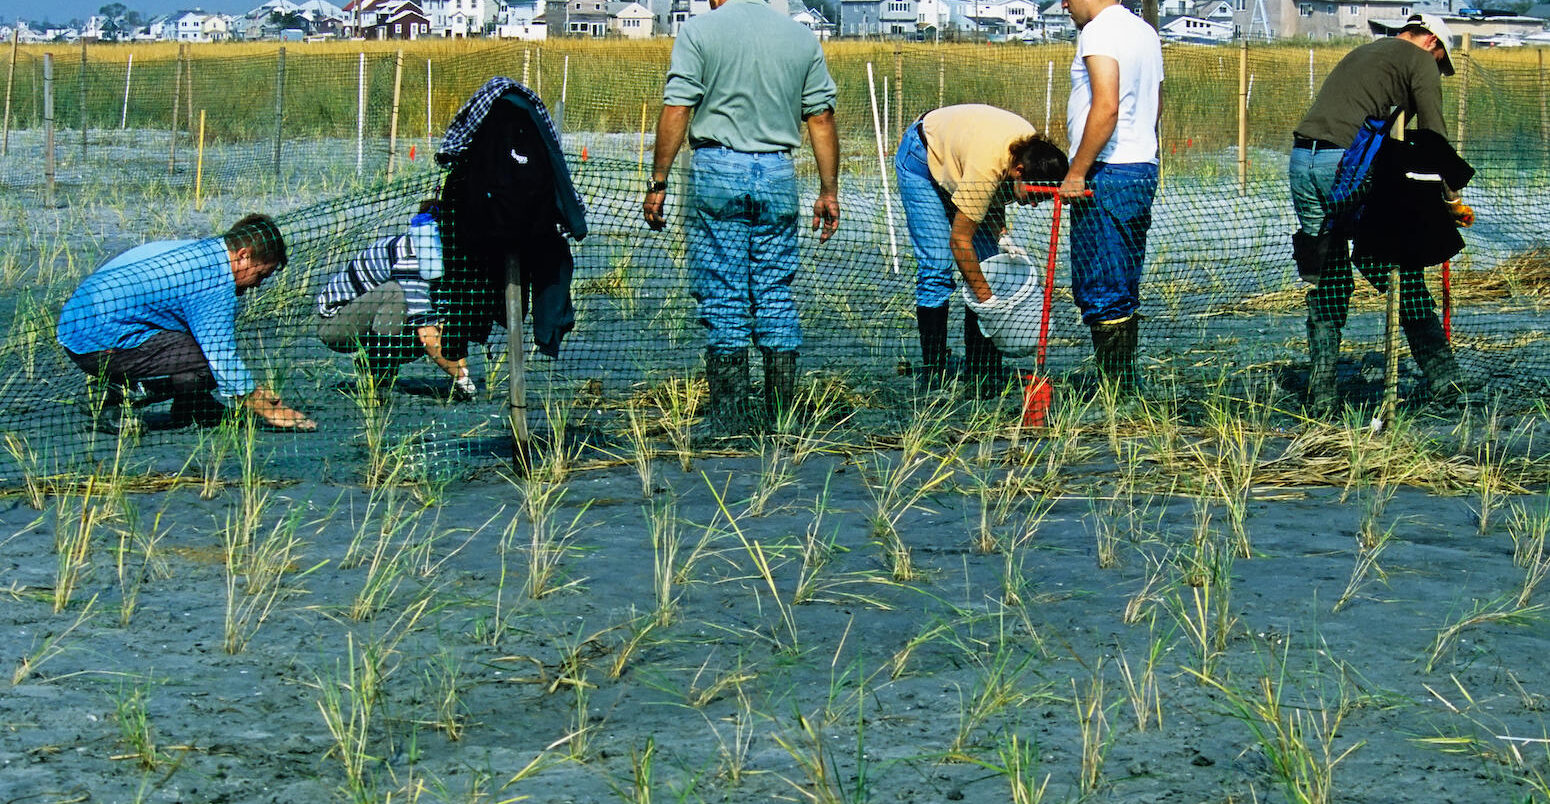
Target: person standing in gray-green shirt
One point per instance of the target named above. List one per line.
(741, 83)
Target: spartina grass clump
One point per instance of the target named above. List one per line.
(1092, 719)
(776, 472)
(75, 529)
(1505, 610)
(1018, 761)
(134, 726)
(1201, 600)
(900, 483)
(1141, 688)
(1488, 489)
(642, 450)
(137, 559)
(1000, 686)
(214, 446)
(551, 535)
(256, 580)
(1528, 529)
(785, 638)
(1014, 551)
(30, 463)
(677, 401)
(443, 682)
(662, 519)
(52, 646)
(388, 558)
(347, 699)
(1238, 429)
(1298, 740)
(1371, 541)
(807, 747)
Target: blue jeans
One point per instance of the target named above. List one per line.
(742, 248)
(928, 213)
(1311, 175)
(1108, 240)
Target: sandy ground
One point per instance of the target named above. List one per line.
(871, 689)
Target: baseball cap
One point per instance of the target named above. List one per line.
(1433, 24)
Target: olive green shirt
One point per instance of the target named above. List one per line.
(1369, 82)
(751, 74)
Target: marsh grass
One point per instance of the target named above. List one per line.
(137, 559)
(662, 520)
(1527, 530)
(1092, 718)
(262, 567)
(1141, 686)
(347, 701)
(31, 465)
(134, 726)
(899, 484)
(1201, 599)
(1000, 685)
(785, 639)
(52, 646)
(551, 536)
(1505, 610)
(1371, 541)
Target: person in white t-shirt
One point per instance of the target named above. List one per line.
(1111, 120)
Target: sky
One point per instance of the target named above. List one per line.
(61, 10)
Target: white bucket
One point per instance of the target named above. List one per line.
(1011, 316)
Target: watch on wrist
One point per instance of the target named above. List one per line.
(656, 187)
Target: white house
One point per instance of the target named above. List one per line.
(1194, 29)
(217, 28)
(630, 20)
(189, 26)
(459, 18)
(1001, 19)
(527, 21)
(932, 16)
(813, 20)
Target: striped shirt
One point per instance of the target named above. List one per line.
(388, 259)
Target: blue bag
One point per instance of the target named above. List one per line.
(1353, 176)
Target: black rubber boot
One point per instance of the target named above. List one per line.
(932, 323)
(780, 385)
(196, 410)
(1323, 360)
(981, 359)
(1114, 351)
(1432, 352)
(726, 411)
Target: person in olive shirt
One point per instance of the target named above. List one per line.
(1404, 72)
(741, 82)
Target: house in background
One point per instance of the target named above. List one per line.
(813, 20)
(523, 20)
(630, 20)
(460, 18)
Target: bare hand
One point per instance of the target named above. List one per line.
(1074, 187)
(283, 418)
(653, 210)
(826, 211)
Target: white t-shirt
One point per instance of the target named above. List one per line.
(1127, 39)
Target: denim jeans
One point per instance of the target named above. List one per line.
(742, 248)
(928, 214)
(1311, 176)
(1108, 240)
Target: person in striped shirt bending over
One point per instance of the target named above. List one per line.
(378, 307)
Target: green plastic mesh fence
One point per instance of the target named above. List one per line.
(312, 138)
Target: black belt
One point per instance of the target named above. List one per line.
(1312, 144)
(920, 131)
(700, 144)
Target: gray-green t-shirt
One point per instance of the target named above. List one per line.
(751, 74)
(1370, 81)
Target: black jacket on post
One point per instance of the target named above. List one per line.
(508, 192)
(1405, 220)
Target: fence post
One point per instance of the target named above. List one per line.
(941, 78)
(429, 143)
(516, 354)
(48, 129)
(199, 164)
(10, 82)
(527, 67)
(1049, 90)
(360, 114)
(82, 100)
(398, 83)
(1464, 69)
(898, 92)
(538, 73)
(1310, 73)
(279, 109)
(1544, 110)
(177, 97)
(129, 70)
(1243, 117)
(188, 67)
(559, 112)
(1391, 329)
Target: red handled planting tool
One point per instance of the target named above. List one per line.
(1036, 389)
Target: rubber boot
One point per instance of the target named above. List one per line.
(981, 359)
(108, 406)
(1429, 346)
(780, 385)
(1114, 351)
(1323, 360)
(726, 414)
(932, 323)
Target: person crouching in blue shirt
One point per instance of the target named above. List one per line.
(159, 321)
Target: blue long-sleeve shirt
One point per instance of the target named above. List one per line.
(168, 285)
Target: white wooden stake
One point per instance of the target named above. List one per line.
(882, 168)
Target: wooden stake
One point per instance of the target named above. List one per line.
(882, 169)
(640, 163)
(898, 92)
(1391, 330)
(188, 67)
(1462, 66)
(516, 354)
(1049, 91)
(360, 115)
(10, 83)
(199, 164)
(1243, 117)
(81, 99)
(398, 82)
(527, 66)
(429, 143)
(129, 70)
(279, 108)
(1544, 110)
(941, 77)
(48, 129)
(177, 90)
